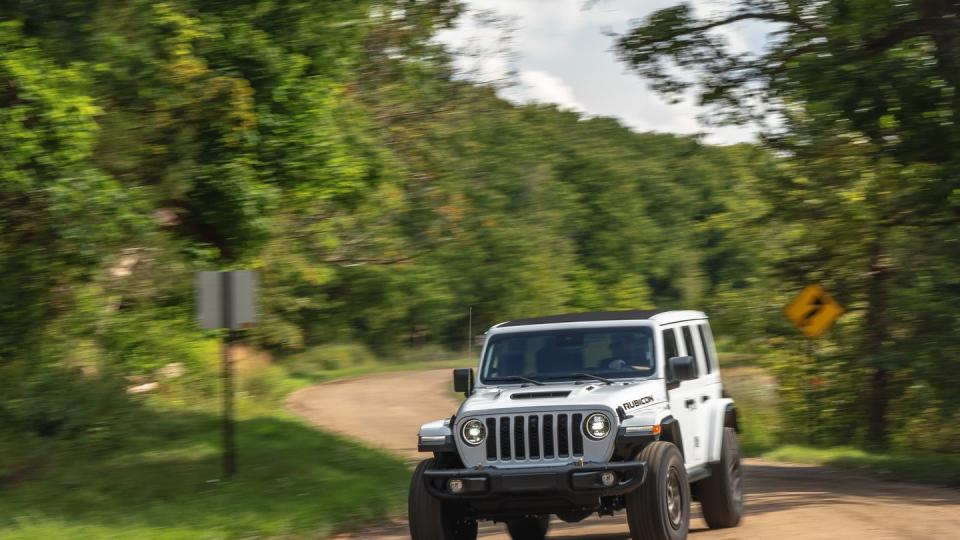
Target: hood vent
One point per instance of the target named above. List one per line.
(537, 395)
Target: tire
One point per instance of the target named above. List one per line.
(529, 528)
(433, 519)
(721, 494)
(653, 511)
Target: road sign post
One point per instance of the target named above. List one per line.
(813, 311)
(227, 300)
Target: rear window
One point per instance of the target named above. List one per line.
(691, 346)
(709, 348)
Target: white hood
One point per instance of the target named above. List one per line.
(579, 395)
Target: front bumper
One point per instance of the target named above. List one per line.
(571, 483)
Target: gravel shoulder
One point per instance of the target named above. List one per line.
(783, 500)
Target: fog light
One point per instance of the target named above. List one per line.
(455, 485)
(608, 478)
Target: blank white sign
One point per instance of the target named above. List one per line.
(241, 308)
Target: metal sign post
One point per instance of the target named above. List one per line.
(813, 311)
(227, 300)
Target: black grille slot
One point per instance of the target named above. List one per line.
(535, 395)
(491, 438)
(563, 441)
(577, 434)
(533, 428)
(519, 444)
(548, 436)
(504, 437)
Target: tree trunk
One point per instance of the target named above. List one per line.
(876, 335)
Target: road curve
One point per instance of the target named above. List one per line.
(783, 500)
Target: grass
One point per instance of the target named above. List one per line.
(162, 480)
(928, 468)
(347, 360)
(320, 376)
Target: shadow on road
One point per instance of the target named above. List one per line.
(780, 487)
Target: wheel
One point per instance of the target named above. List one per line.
(529, 528)
(721, 494)
(660, 508)
(433, 519)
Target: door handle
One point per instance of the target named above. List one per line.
(691, 403)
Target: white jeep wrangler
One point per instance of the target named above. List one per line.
(583, 413)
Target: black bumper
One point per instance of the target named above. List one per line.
(573, 484)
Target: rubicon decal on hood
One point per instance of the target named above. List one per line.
(637, 403)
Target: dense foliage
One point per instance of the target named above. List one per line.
(331, 146)
(867, 94)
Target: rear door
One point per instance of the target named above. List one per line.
(679, 340)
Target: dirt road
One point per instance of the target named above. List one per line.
(783, 500)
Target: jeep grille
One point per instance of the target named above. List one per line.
(531, 437)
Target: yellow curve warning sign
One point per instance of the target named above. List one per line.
(813, 311)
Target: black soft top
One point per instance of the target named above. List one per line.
(592, 316)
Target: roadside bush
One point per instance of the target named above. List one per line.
(920, 422)
(821, 398)
(429, 353)
(329, 358)
(264, 383)
(53, 402)
(140, 342)
(758, 405)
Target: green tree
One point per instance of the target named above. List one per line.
(866, 94)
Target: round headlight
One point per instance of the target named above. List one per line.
(473, 432)
(597, 426)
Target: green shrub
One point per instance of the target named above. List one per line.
(140, 342)
(426, 353)
(922, 423)
(329, 358)
(49, 402)
(264, 383)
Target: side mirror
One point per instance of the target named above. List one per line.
(463, 381)
(681, 368)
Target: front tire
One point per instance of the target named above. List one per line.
(529, 528)
(433, 519)
(721, 494)
(660, 508)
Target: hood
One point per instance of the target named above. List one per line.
(628, 396)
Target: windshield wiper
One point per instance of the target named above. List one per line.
(515, 378)
(582, 375)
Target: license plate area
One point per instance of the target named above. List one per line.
(546, 481)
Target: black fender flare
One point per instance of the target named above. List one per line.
(730, 418)
(670, 431)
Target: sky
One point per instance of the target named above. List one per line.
(558, 52)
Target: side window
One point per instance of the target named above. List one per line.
(670, 348)
(691, 346)
(709, 348)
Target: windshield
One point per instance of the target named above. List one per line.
(612, 353)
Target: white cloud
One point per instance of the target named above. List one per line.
(556, 51)
(542, 87)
